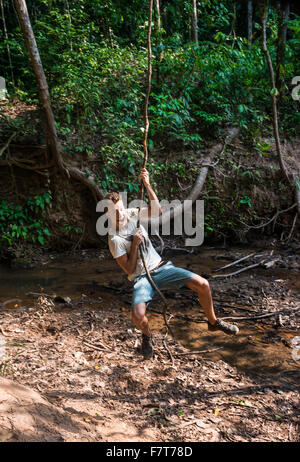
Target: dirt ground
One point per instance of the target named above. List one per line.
(76, 374)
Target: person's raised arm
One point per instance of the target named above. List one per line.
(154, 209)
(128, 263)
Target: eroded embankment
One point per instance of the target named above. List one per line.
(83, 359)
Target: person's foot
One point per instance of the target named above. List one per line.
(226, 327)
(147, 349)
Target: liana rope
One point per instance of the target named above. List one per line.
(142, 190)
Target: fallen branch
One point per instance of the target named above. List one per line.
(179, 249)
(169, 352)
(96, 347)
(197, 352)
(239, 271)
(186, 424)
(7, 143)
(270, 221)
(234, 263)
(267, 315)
(293, 226)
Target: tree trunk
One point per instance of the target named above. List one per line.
(70, 23)
(233, 24)
(161, 53)
(250, 18)
(158, 14)
(195, 22)
(281, 45)
(52, 139)
(263, 12)
(7, 45)
(41, 81)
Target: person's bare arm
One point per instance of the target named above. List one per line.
(128, 263)
(154, 209)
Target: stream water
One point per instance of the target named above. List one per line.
(261, 348)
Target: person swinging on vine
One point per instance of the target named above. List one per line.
(124, 239)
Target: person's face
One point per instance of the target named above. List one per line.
(118, 215)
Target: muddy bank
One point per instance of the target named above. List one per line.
(81, 354)
(87, 368)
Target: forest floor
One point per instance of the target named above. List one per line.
(73, 370)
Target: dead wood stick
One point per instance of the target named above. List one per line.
(95, 347)
(239, 271)
(167, 247)
(181, 187)
(263, 315)
(169, 352)
(234, 263)
(7, 143)
(37, 294)
(197, 352)
(269, 221)
(186, 424)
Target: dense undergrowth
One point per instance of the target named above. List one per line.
(95, 61)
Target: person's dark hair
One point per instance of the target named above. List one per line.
(112, 196)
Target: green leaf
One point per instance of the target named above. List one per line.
(245, 403)
(41, 240)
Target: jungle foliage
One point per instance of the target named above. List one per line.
(94, 56)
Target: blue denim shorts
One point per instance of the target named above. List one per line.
(167, 276)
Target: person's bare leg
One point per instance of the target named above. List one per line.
(139, 318)
(201, 286)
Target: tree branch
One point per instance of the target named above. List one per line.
(7, 143)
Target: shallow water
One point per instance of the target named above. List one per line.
(258, 349)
